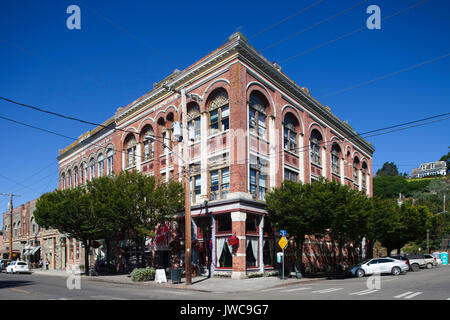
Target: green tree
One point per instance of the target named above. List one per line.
(73, 212)
(446, 158)
(388, 169)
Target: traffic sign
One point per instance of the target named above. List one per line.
(283, 233)
(283, 243)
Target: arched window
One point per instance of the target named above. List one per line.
(355, 170)
(19, 230)
(219, 112)
(63, 181)
(257, 115)
(290, 133)
(335, 154)
(110, 161)
(92, 169)
(315, 141)
(364, 173)
(15, 229)
(69, 178)
(75, 176)
(101, 165)
(33, 226)
(130, 146)
(193, 121)
(148, 151)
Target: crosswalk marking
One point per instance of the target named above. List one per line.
(364, 292)
(403, 294)
(413, 295)
(296, 289)
(327, 290)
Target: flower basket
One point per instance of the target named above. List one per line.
(233, 240)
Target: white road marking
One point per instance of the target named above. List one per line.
(403, 294)
(327, 290)
(296, 289)
(413, 295)
(364, 292)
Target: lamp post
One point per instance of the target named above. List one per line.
(186, 178)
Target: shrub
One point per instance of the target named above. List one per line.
(143, 274)
(255, 274)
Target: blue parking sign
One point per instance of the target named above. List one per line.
(282, 233)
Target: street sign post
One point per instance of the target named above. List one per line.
(282, 243)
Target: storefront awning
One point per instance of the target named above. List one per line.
(34, 250)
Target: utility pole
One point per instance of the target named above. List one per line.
(11, 195)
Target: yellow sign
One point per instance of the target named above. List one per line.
(283, 243)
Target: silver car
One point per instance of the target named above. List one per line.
(379, 266)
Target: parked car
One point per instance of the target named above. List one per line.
(379, 265)
(416, 262)
(18, 267)
(430, 260)
(437, 256)
(9, 268)
(402, 258)
(4, 263)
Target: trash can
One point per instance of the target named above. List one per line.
(444, 258)
(175, 275)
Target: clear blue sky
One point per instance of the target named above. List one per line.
(124, 47)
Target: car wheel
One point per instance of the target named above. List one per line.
(415, 267)
(429, 265)
(360, 273)
(396, 271)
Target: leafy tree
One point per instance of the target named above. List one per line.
(446, 158)
(73, 212)
(388, 169)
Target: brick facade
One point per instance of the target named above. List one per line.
(245, 108)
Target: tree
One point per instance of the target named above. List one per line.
(291, 208)
(446, 158)
(75, 213)
(388, 169)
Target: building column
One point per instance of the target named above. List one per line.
(213, 246)
(239, 258)
(342, 170)
(273, 158)
(324, 162)
(301, 155)
(261, 244)
(204, 153)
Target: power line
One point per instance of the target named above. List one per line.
(313, 26)
(286, 19)
(351, 33)
(387, 75)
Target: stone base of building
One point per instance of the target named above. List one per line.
(238, 275)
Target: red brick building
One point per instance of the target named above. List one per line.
(250, 127)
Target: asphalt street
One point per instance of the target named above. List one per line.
(431, 284)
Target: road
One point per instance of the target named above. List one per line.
(431, 284)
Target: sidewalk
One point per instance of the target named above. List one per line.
(203, 284)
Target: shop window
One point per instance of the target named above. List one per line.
(268, 252)
(251, 223)
(224, 257)
(252, 252)
(224, 223)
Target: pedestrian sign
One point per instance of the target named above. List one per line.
(282, 243)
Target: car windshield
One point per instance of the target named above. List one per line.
(363, 262)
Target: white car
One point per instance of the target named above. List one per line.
(18, 267)
(380, 265)
(437, 256)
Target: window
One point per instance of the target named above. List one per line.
(257, 116)
(110, 162)
(101, 165)
(258, 177)
(251, 254)
(355, 170)
(193, 122)
(148, 151)
(85, 173)
(335, 151)
(290, 133)
(224, 258)
(219, 113)
(219, 184)
(130, 145)
(315, 140)
(268, 250)
(290, 175)
(167, 138)
(69, 177)
(196, 188)
(92, 169)
(363, 174)
(75, 176)
(63, 181)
